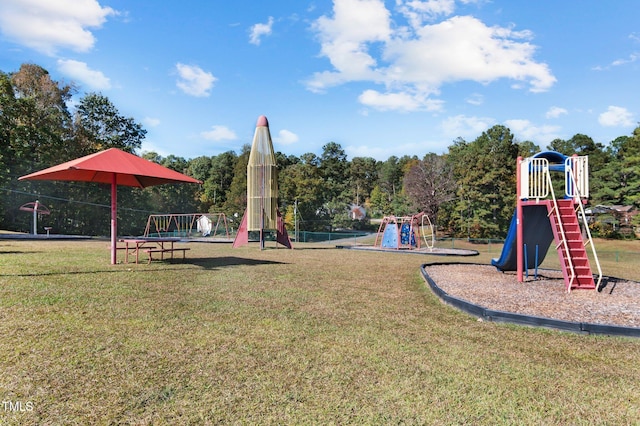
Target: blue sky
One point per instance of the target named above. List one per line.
(380, 78)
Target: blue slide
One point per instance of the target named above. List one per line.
(536, 232)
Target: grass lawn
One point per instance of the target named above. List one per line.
(315, 335)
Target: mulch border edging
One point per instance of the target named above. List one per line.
(444, 252)
(521, 319)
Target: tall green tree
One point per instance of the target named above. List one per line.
(35, 113)
(236, 202)
(218, 180)
(618, 179)
(581, 144)
(334, 171)
(35, 133)
(100, 125)
(8, 120)
(485, 172)
(302, 185)
(379, 203)
(363, 176)
(628, 153)
(200, 168)
(390, 177)
(527, 149)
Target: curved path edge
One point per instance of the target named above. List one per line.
(521, 319)
(433, 252)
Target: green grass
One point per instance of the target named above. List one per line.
(314, 335)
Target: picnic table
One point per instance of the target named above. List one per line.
(150, 246)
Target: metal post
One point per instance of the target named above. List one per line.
(536, 270)
(526, 261)
(295, 219)
(35, 218)
(114, 218)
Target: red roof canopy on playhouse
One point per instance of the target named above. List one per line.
(115, 167)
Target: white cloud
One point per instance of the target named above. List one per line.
(363, 44)
(80, 72)
(219, 133)
(194, 81)
(401, 101)
(616, 116)
(464, 48)
(555, 112)
(475, 99)
(47, 26)
(286, 137)
(345, 40)
(259, 30)
(151, 122)
(150, 146)
(527, 131)
(379, 153)
(466, 127)
(632, 58)
(417, 11)
(382, 153)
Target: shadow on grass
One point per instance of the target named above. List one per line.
(220, 262)
(208, 263)
(19, 252)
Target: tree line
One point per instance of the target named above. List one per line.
(469, 191)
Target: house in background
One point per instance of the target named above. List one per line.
(619, 217)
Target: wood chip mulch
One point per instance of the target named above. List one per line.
(618, 303)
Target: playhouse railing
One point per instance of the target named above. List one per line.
(576, 172)
(577, 184)
(535, 182)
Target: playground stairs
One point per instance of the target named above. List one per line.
(570, 245)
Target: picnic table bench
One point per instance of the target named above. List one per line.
(162, 251)
(150, 246)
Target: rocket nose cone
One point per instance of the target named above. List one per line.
(262, 121)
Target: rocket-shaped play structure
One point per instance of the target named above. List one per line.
(262, 191)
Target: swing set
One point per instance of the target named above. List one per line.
(186, 225)
(406, 232)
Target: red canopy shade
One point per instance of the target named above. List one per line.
(114, 167)
(130, 170)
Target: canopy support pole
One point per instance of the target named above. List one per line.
(114, 218)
